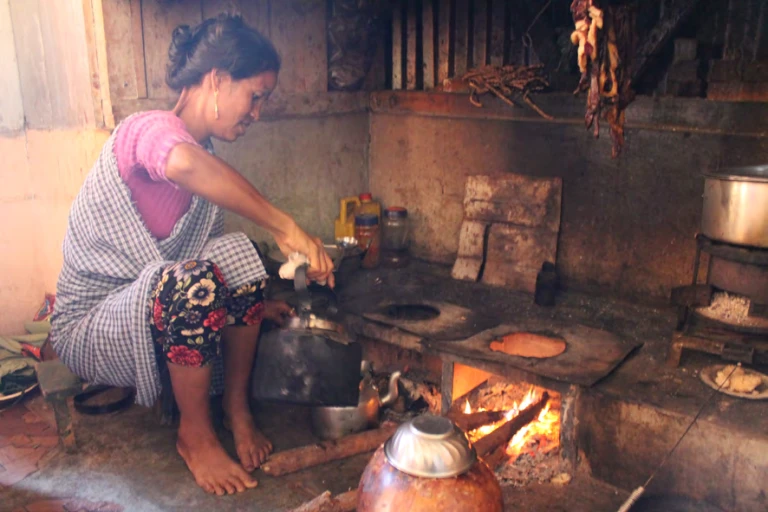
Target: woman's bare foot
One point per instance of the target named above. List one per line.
(251, 445)
(213, 469)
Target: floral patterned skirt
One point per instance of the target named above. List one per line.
(192, 304)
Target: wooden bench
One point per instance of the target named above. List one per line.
(57, 385)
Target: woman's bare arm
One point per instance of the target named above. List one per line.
(194, 169)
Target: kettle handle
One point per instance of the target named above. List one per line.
(392, 392)
(302, 293)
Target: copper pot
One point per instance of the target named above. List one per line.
(384, 488)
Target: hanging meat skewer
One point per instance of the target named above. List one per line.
(603, 60)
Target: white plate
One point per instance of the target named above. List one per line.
(708, 374)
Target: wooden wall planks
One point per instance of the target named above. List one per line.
(397, 47)
(56, 79)
(159, 18)
(298, 30)
(428, 27)
(480, 34)
(461, 37)
(11, 106)
(125, 49)
(453, 35)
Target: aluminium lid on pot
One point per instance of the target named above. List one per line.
(753, 173)
(430, 446)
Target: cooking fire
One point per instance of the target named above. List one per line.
(521, 432)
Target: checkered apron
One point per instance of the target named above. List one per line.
(112, 263)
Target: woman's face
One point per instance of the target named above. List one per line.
(240, 103)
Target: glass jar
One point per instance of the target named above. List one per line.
(366, 227)
(395, 225)
(394, 241)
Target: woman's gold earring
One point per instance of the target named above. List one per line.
(216, 103)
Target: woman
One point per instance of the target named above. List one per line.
(149, 278)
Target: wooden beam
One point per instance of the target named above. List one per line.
(428, 43)
(444, 41)
(660, 34)
(397, 46)
(480, 34)
(461, 50)
(410, 47)
(498, 22)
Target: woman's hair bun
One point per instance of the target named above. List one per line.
(224, 43)
(178, 52)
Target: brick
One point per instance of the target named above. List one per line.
(514, 199)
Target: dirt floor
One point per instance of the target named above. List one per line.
(127, 462)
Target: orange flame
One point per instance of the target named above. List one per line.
(544, 431)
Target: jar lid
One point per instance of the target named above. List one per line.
(367, 196)
(396, 212)
(366, 219)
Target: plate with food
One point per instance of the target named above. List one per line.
(736, 381)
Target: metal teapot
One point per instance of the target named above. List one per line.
(337, 422)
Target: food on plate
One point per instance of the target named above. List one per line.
(741, 381)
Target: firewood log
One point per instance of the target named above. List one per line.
(289, 461)
(504, 433)
(471, 421)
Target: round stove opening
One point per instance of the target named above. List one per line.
(530, 344)
(414, 312)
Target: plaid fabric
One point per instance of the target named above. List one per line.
(100, 324)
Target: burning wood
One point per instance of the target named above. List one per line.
(304, 457)
(504, 433)
(475, 420)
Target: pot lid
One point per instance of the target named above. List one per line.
(756, 173)
(430, 446)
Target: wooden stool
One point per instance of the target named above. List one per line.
(58, 384)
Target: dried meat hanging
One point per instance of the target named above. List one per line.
(606, 41)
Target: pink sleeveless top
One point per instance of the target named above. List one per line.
(142, 145)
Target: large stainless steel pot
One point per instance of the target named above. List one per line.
(736, 206)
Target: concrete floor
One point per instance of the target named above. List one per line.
(128, 460)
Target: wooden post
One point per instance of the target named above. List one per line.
(461, 51)
(480, 34)
(498, 22)
(444, 42)
(428, 43)
(397, 46)
(446, 388)
(410, 47)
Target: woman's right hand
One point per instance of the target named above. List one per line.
(320, 263)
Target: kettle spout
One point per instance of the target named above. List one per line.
(392, 392)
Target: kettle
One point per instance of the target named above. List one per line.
(337, 422)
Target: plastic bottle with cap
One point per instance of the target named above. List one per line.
(368, 205)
